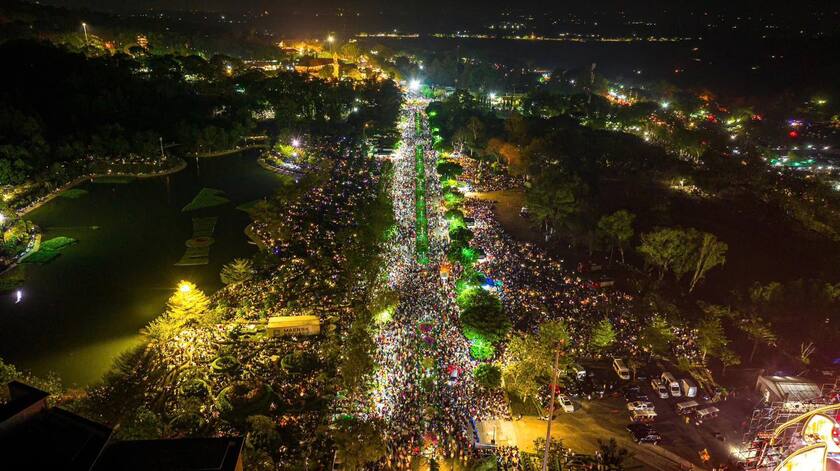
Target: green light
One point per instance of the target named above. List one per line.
(481, 349)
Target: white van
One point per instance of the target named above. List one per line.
(621, 368)
(686, 407)
(659, 388)
(689, 389)
(671, 383)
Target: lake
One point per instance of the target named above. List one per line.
(79, 311)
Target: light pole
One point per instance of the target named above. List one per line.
(551, 410)
(84, 28)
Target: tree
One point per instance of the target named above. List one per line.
(488, 376)
(263, 434)
(143, 424)
(657, 336)
(237, 271)
(682, 251)
(556, 199)
(711, 253)
(556, 455)
(711, 337)
(759, 331)
(356, 361)
(603, 335)
(611, 457)
(482, 317)
(617, 229)
(360, 442)
(667, 249)
(529, 358)
(187, 305)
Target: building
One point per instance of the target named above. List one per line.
(185, 454)
(35, 436)
(293, 325)
(787, 389)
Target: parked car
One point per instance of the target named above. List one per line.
(651, 437)
(631, 396)
(644, 416)
(658, 388)
(566, 403)
(640, 405)
(621, 368)
(643, 433)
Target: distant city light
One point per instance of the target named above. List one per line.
(295, 142)
(414, 85)
(664, 105)
(492, 95)
(184, 287)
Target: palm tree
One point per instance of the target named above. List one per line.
(759, 332)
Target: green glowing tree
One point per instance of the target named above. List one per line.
(603, 335)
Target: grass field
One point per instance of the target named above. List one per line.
(73, 193)
(206, 198)
(49, 250)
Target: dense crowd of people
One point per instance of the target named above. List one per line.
(424, 387)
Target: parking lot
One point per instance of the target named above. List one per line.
(683, 436)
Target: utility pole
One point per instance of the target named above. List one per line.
(551, 410)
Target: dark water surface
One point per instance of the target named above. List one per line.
(81, 310)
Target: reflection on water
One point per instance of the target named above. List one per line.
(82, 309)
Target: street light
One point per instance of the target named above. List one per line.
(414, 85)
(184, 287)
(295, 142)
(84, 27)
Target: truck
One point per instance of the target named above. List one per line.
(689, 388)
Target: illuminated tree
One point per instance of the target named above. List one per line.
(237, 271)
(657, 336)
(603, 335)
(529, 359)
(187, 305)
(710, 253)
